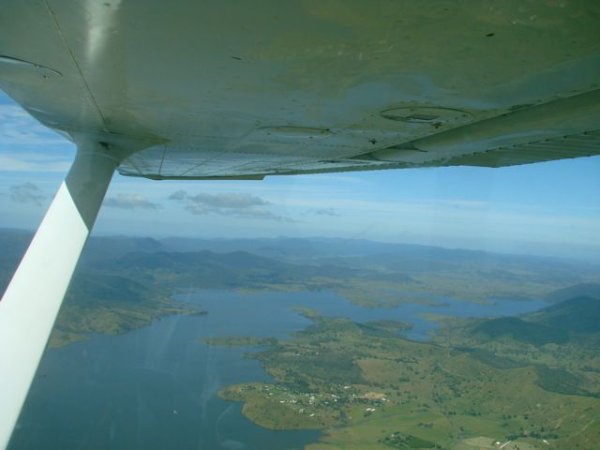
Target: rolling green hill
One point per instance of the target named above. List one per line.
(578, 290)
(576, 315)
(554, 324)
(520, 330)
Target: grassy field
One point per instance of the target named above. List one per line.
(369, 388)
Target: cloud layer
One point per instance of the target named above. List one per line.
(26, 193)
(227, 204)
(326, 212)
(130, 201)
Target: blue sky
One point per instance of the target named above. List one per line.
(547, 208)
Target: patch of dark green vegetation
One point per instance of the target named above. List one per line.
(241, 341)
(491, 359)
(103, 287)
(577, 290)
(406, 441)
(561, 381)
(575, 315)
(385, 327)
(519, 330)
(327, 366)
(576, 318)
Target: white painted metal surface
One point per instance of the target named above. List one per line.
(32, 300)
(223, 88)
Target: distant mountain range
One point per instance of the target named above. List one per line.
(210, 270)
(130, 277)
(352, 256)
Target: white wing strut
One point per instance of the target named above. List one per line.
(32, 300)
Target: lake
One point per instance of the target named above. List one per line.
(155, 387)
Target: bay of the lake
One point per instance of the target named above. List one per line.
(156, 387)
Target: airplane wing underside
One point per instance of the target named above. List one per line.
(223, 89)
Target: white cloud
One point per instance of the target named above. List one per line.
(228, 204)
(325, 212)
(26, 193)
(226, 200)
(130, 201)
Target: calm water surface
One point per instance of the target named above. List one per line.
(155, 388)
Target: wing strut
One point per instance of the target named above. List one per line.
(32, 300)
